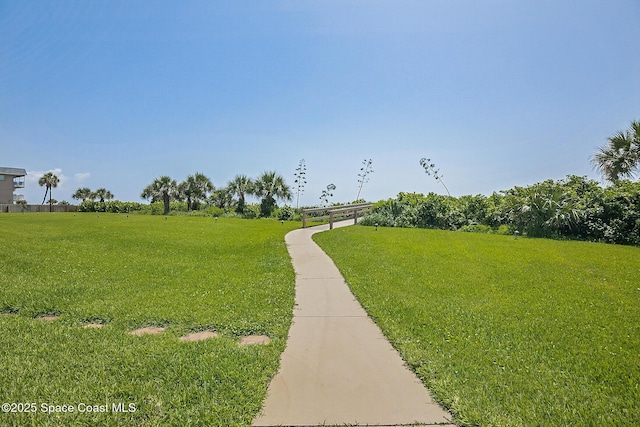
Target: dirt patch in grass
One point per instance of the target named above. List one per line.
(49, 318)
(93, 325)
(198, 336)
(149, 330)
(255, 339)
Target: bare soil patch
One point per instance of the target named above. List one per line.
(93, 325)
(198, 336)
(255, 339)
(149, 330)
(48, 318)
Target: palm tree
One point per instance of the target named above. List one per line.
(162, 188)
(49, 180)
(240, 186)
(102, 194)
(195, 189)
(270, 186)
(83, 194)
(621, 156)
(221, 197)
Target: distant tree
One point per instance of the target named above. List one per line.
(83, 194)
(363, 176)
(241, 185)
(271, 186)
(102, 194)
(300, 181)
(430, 169)
(620, 158)
(196, 188)
(222, 198)
(326, 194)
(48, 180)
(163, 188)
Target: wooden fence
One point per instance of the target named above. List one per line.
(18, 208)
(336, 212)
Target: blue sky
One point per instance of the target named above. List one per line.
(497, 93)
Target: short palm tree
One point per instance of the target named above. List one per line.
(196, 188)
(240, 186)
(48, 180)
(271, 186)
(620, 158)
(102, 194)
(222, 198)
(83, 194)
(163, 188)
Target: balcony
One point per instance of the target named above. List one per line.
(18, 182)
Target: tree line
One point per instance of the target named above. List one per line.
(197, 189)
(197, 192)
(575, 207)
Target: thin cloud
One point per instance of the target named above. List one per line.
(80, 177)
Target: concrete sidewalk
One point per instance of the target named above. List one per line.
(337, 367)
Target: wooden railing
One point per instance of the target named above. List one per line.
(336, 212)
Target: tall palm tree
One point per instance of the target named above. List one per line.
(163, 188)
(102, 194)
(241, 185)
(195, 188)
(271, 186)
(48, 180)
(620, 158)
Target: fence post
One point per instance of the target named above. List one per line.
(330, 220)
(304, 219)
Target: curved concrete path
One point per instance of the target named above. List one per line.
(337, 367)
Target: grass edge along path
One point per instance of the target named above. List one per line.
(185, 274)
(504, 332)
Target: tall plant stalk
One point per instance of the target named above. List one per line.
(363, 176)
(430, 169)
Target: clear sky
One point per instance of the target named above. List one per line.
(497, 93)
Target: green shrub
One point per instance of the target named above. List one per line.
(251, 211)
(477, 228)
(504, 230)
(377, 218)
(571, 208)
(214, 211)
(284, 213)
(111, 206)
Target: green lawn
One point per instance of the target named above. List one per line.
(184, 273)
(505, 332)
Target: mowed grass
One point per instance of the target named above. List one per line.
(186, 274)
(527, 332)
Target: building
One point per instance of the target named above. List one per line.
(10, 179)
